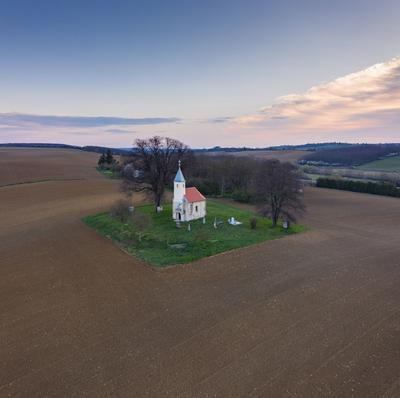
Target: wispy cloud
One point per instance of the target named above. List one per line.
(120, 131)
(359, 107)
(368, 99)
(85, 130)
(15, 119)
(220, 119)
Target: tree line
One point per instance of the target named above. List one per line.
(224, 176)
(273, 186)
(376, 188)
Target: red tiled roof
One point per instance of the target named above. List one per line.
(193, 195)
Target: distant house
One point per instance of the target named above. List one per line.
(188, 203)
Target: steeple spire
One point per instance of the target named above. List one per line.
(179, 175)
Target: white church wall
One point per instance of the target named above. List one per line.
(201, 209)
(179, 191)
(196, 210)
(189, 211)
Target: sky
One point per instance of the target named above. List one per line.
(229, 73)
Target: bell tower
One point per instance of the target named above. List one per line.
(179, 184)
(179, 193)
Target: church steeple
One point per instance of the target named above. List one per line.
(179, 185)
(179, 175)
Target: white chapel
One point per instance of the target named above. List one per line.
(188, 203)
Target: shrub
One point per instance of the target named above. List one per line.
(120, 210)
(241, 196)
(116, 168)
(253, 222)
(141, 222)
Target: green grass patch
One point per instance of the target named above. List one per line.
(389, 164)
(109, 173)
(164, 244)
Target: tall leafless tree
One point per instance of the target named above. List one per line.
(152, 166)
(222, 174)
(278, 191)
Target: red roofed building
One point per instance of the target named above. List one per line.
(188, 203)
(193, 195)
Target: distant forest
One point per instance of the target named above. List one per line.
(218, 149)
(321, 154)
(354, 155)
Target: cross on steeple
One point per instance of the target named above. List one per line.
(179, 176)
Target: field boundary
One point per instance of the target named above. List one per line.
(42, 181)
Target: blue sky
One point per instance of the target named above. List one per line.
(204, 72)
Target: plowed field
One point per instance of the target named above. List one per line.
(313, 315)
(28, 165)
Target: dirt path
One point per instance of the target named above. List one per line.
(312, 315)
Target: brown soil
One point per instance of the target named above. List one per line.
(312, 315)
(21, 165)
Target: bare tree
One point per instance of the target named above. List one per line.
(152, 166)
(120, 210)
(223, 174)
(278, 191)
(141, 222)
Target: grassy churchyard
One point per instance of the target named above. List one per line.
(161, 243)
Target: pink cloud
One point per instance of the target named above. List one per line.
(368, 100)
(359, 107)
